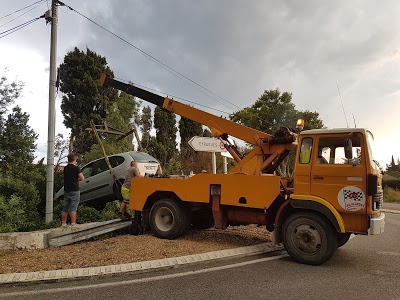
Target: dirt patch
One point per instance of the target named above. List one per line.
(124, 248)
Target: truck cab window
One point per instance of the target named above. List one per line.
(331, 150)
(305, 150)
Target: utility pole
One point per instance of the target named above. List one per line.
(53, 18)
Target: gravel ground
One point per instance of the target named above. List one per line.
(124, 248)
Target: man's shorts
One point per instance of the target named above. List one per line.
(71, 201)
(126, 194)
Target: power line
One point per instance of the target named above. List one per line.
(21, 9)
(165, 66)
(21, 15)
(16, 28)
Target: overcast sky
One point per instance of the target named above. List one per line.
(316, 50)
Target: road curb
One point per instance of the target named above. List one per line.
(152, 265)
(391, 211)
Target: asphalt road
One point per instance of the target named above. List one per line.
(367, 267)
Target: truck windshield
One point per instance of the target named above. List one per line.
(371, 150)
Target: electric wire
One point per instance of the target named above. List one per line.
(19, 27)
(20, 15)
(165, 66)
(21, 9)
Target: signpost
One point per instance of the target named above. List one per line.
(206, 144)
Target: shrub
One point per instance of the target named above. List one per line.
(391, 195)
(110, 211)
(392, 183)
(26, 192)
(86, 214)
(12, 214)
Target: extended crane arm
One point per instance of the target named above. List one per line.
(219, 126)
(271, 150)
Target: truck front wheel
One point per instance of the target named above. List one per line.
(309, 238)
(343, 238)
(168, 219)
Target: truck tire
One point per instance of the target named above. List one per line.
(309, 238)
(169, 219)
(343, 238)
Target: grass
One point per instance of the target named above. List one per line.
(391, 195)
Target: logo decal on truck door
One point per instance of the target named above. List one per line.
(351, 198)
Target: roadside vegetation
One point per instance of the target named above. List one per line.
(391, 182)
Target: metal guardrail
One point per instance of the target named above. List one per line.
(84, 232)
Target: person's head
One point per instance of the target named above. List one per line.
(72, 157)
(134, 164)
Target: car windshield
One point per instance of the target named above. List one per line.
(142, 157)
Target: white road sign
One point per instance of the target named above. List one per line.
(199, 143)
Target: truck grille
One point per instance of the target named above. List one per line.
(377, 201)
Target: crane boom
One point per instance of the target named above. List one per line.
(271, 149)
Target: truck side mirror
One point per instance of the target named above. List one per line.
(348, 148)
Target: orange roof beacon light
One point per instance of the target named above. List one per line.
(299, 125)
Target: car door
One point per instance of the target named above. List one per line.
(101, 181)
(85, 185)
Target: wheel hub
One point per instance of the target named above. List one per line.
(307, 238)
(164, 219)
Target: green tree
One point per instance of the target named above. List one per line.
(165, 147)
(271, 110)
(122, 115)
(189, 158)
(22, 183)
(392, 166)
(17, 143)
(83, 99)
(146, 124)
(311, 120)
(8, 93)
(60, 150)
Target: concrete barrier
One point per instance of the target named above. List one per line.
(57, 236)
(24, 240)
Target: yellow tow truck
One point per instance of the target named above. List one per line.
(336, 189)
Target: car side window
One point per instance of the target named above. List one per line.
(100, 166)
(116, 161)
(87, 170)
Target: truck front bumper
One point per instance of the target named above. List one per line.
(377, 224)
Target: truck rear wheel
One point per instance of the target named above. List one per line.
(309, 238)
(168, 219)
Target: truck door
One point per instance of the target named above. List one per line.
(303, 166)
(338, 172)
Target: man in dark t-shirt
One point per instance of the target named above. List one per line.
(72, 176)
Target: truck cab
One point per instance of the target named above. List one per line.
(336, 168)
